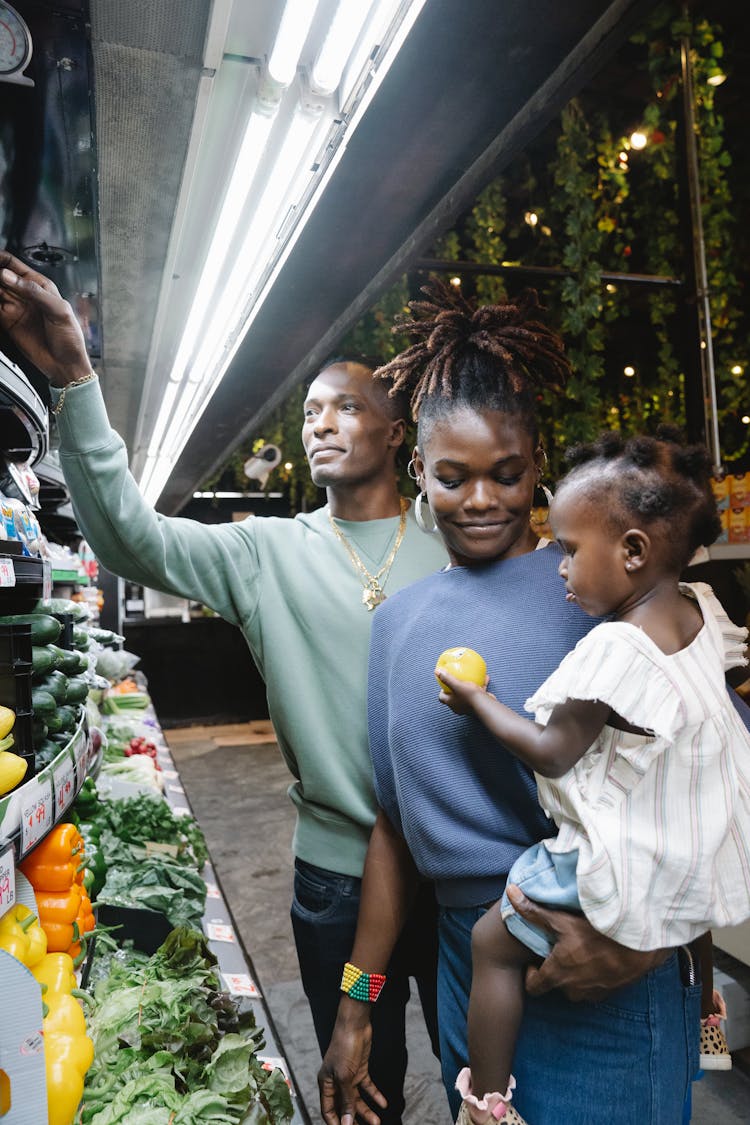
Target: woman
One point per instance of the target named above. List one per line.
(457, 809)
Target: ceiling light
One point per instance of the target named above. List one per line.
(638, 140)
(290, 39)
(629, 371)
(342, 35)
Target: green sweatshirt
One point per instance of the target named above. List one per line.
(290, 586)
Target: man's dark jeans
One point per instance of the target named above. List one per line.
(324, 919)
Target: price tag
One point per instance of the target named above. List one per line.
(181, 810)
(240, 984)
(7, 572)
(82, 761)
(271, 1062)
(65, 784)
(46, 579)
(176, 788)
(212, 891)
(169, 775)
(36, 812)
(219, 931)
(7, 880)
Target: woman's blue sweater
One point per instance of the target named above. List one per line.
(466, 807)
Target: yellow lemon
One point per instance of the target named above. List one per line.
(464, 664)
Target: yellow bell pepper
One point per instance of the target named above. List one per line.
(22, 936)
(55, 973)
(68, 1050)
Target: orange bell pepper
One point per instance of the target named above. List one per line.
(59, 906)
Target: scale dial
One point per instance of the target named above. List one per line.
(15, 42)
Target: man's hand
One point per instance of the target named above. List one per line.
(585, 964)
(344, 1075)
(460, 698)
(40, 323)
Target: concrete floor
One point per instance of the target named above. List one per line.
(236, 783)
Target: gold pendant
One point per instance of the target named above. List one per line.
(372, 595)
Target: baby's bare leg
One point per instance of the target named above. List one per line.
(496, 1002)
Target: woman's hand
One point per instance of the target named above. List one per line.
(462, 694)
(344, 1075)
(41, 323)
(585, 964)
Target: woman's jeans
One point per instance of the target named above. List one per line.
(627, 1060)
(324, 920)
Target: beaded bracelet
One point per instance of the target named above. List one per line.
(76, 383)
(360, 985)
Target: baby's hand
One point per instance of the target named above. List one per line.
(461, 694)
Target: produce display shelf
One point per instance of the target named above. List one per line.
(32, 810)
(234, 962)
(69, 577)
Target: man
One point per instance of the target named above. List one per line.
(302, 591)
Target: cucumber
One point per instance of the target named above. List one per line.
(71, 662)
(68, 717)
(42, 703)
(78, 689)
(105, 636)
(45, 630)
(56, 683)
(43, 660)
(45, 753)
(81, 638)
(77, 610)
(54, 724)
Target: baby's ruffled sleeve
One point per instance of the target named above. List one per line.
(733, 637)
(614, 664)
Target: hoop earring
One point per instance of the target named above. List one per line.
(548, 494)
(419, 517)
(411, 470)
(549, 498)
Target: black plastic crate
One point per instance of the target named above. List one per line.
(29, 587)
(15, 644)
(67, 620)
(15, 686)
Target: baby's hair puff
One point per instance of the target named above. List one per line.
(656, 481)
(491, 357)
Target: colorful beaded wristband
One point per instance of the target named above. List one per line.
(360, 985)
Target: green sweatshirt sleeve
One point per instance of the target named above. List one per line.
(214, 564)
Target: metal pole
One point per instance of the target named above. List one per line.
(708, 372)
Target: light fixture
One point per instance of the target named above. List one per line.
(288, 466)
(343, 33)
(531, 218)
(279, 175)
(746, 419)
(610, 287)
(638, 140)
(456, 281)
(629, 371)
(622, 157)
(736, 370)
(294, 27)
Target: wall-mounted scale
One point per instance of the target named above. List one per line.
(15, 46)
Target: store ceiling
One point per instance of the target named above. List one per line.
(472, 84)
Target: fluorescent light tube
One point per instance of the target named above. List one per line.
(345, 27)
(290, 39)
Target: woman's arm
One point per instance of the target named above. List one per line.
(549, 750)
(585, 964)
(388, 885)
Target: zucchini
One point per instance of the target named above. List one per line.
(71, 662)
(105, 636)
(68, 717)
(42, 703)
(43, 660)
(56, 683)
(44, 629)
(78, 689)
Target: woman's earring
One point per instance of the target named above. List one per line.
(547, 493)
(411, 470)
(534, 520)
(418, 516)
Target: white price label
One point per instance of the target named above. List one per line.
(46, 579)
(36, 812)
(169, 775)
(176, 789)
(219, 931)
(82, 762)
(212, 891)
(181, 810)
(240, 984)
(7, 880)
(7, 572)
(65, 784)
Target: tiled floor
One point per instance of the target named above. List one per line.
(236, 783)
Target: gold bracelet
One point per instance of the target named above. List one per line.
(76, 383)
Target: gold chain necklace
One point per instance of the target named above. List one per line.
(373, 593)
